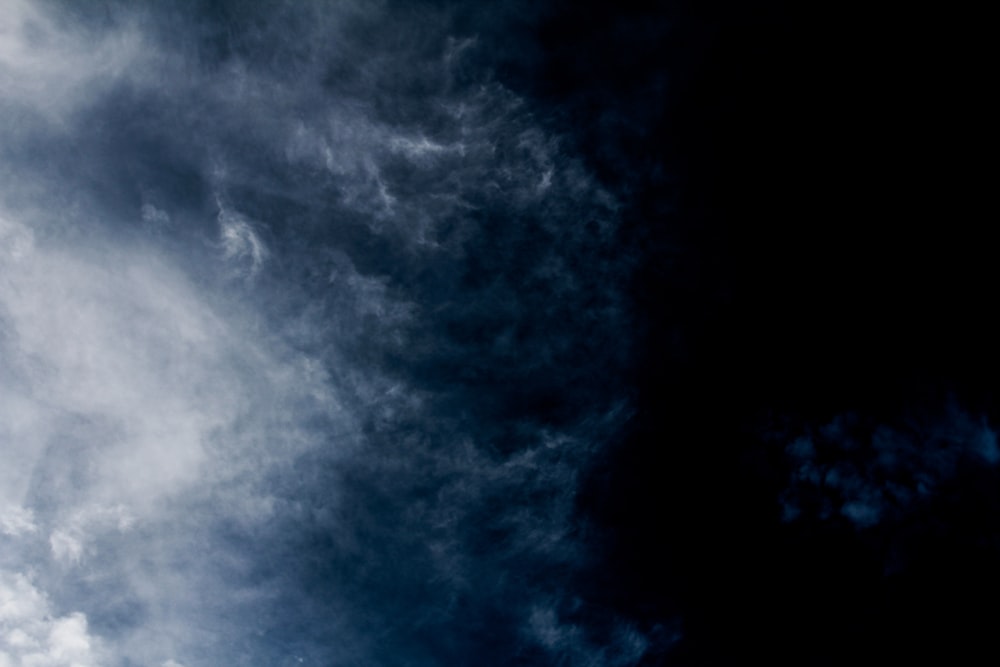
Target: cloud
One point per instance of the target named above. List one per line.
(568, 644)
(129, 350)
(128, 396)
(69, 540)
(15, 521)
(373, 455)
(47, 66)
(240, 244)
(32, 636)
(870, 474)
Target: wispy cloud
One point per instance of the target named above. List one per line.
(240, 243)
(364, 450)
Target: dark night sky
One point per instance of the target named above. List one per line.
(438, 333)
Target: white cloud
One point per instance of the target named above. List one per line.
(49, 68)
(16, 521)
(241, 245)
(126, 393)
(66, 548)
(70, 541)
(32, 636)
(123, 343)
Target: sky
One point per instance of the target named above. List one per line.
(353, 333)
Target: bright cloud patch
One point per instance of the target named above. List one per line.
(31, 636)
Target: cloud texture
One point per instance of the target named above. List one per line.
(308, 332)
(353, 333)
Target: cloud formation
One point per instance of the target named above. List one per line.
(364, 449)
(31, 636)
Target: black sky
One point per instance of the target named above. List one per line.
(811, 256)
